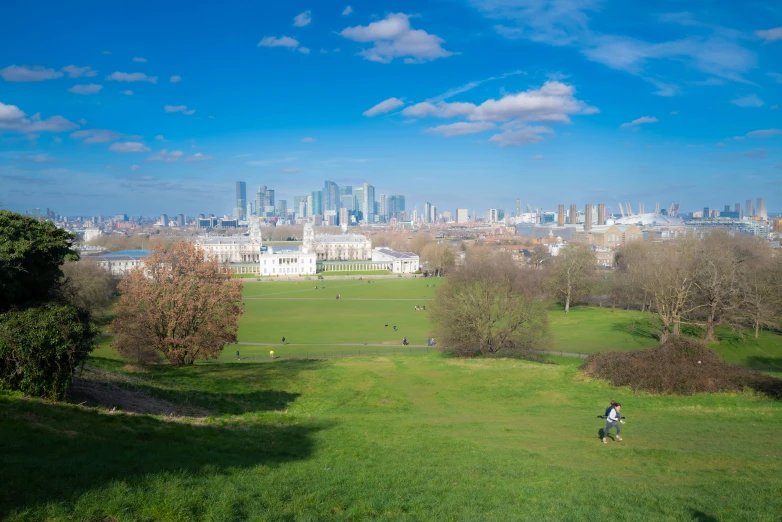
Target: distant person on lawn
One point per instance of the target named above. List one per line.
(237, 355)
(613, 420)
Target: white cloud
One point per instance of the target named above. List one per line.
(134, 168)
(553, 102)
(777, 76)
(78, 72)
(175, 79)
(308, 139)
(127, 92)
(27, 73)
(90, 88)
(96, 135)
(450, 93)
(348, 10)
(302, 19)
(461, 128)
(138, 59)
(12, 118)
(179, 108)
(748, 101)
(131, 77)
(538, 157)
(384, 106)
(36, 158)
(106, 53)
(304, 50)
(770, 35)
(639, 121)
(166, 156)
(718, 53)
(515, 134)
(283, 41)
(290, 170)
(394, 38)
(197, 157)
(160, 137)
(128, 146)
(764, 133)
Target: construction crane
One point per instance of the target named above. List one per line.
(629, 209)
(621, 210)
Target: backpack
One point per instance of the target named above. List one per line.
(608, 411)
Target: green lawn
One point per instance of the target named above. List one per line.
(328, 273)
(420, 437)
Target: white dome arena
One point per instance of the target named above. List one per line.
(650, 220)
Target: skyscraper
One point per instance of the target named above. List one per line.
(573, 212)
(282, 209)
(738, 210)
(369, 203)
(347, 201)
(330, 196)
(358, 192)
(317, 203)
(383, 208)
(395, 205)
(518, 207)
(269, 210)
(260, 200)
(241, 198)
(749, 210)
(601, 214)
(427, 212)
(588, 217)
(561, 215)
(433, 214)
(760, 210)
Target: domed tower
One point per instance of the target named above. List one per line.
(309, 238)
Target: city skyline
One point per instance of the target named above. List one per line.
(549, 102)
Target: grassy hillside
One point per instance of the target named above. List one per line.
(390, 438)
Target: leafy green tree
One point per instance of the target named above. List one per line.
(41, 347)
(42, 337)
(31, 253)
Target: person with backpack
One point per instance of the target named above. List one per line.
(613, 419)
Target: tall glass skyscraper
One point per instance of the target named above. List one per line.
(330, 196)
(369, 203)
(241, 200)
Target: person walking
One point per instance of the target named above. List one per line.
(613, 419)
(404, 341)
(237, 355)
(271, 354)
(283, 339)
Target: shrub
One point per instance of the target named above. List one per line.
(679, 366)
(41, 347)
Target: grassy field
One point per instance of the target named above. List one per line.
(315, 323)
(328, 273)
(390, 438)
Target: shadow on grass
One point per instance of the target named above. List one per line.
(165, 390)
(638, 329)
(54, 453)
(761, 363)
(700, 516)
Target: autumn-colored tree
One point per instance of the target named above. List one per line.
(179, 303)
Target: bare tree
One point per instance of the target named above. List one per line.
(629, 288)
(88, 285)
(179, 303)
(419, 242)
(761, 293)
(438, 257)
(487, 306)
(572, 273)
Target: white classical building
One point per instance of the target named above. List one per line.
(120, 263)
(338, 247)
(398, 262)
(288, 262)
(231, 249)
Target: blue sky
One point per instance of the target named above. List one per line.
(159, 107)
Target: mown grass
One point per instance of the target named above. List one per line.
(328, 273)
(391, 438)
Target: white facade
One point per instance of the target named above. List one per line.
(231, 249)
(92, 233)
(119, 265)
(461, 215)
(337, 247)
(287, 263)
(401, 262)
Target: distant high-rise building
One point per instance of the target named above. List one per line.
(348, 201)
(462, 215)
(427, 212)
(260, 200)
(561, 215)
(395, 205)
(706, 212)
(180, 220)
(491, 215)
(369, 203)
(346, 189)
(317, 203)
(572, 215)
(358, 192)
(269, 201)
(282, 209)
(601, 214)
(760, 210)
(588, 217)
(446, 216)
(330, 196)
(383, 209)
(241, 198)
(344, 214)
(414, 218)
(738, 210)
(518, 207)
(749, 209)
(433, 214)
(164, 220)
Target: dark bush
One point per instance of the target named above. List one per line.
(679, 366)
(40, 348)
